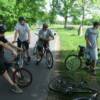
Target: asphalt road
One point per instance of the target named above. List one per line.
(39, 87)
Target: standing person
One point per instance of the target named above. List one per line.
(91, 37)
(22, 31)
(4, 44)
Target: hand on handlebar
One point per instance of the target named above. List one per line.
(13, 41)
(20, 49)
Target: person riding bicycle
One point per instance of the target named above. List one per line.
(91, 37)
(22, 30)
(4, 65)
(45, 35)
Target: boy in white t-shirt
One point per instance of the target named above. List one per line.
(22, 30)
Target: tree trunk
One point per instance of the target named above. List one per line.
(65, 24)
(80, 30)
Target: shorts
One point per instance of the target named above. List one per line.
(93, 53)
(42, 44)
(25, 43)
(4, 66)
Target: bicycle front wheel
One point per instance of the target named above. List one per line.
(49, 59)
(73, 63)
(22, 77)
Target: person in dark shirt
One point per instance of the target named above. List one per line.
(4, 44)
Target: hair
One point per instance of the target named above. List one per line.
(21, 18)
(2, 28)
(96, 23)
(45, 25)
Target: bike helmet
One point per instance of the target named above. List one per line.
(21, 18)
(2, 28)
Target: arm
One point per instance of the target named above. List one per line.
(6, 46)
(28, 30)
(51, 34)
(14, 47)
(87, 39)
(88, 42)
(15, 36)
(16, 32)
(29, 36)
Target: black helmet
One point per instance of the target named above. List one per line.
(21, 18)
(2, 28)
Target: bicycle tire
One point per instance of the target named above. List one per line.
(76, 60)
(50, 61)
(55, 85)
(68, 87)
(22, 71)
(35, 56)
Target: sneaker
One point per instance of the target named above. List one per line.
(16, 89)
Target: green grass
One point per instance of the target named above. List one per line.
(9, 33)
(69, 41)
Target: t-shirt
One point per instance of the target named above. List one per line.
(4, 40)
(92, 35)
(23, 31)
(45, 34)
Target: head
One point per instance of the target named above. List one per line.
(96, 25)
(21, 20)
(2, 29)
(45, 27)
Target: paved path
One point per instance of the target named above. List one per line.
(38, 90)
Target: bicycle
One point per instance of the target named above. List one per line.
(45, 52)
(81, 60)
(70, 88)
(23, 54)
(17, 72)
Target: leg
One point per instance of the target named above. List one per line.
(27, 49)
(7, 77)
(94, 57)
(14, 87)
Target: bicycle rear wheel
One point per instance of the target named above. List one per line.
(49, 59)
(73, 63)
(22, 77)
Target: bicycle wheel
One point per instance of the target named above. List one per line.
(59, 85)
(36, 57)
(20, 61)
(22, 77)
(73, 63)
(49, 59)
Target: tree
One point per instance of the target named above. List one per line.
(86, 6)
(64, 8)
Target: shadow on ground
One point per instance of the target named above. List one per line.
(42, 76)
(60, 70)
